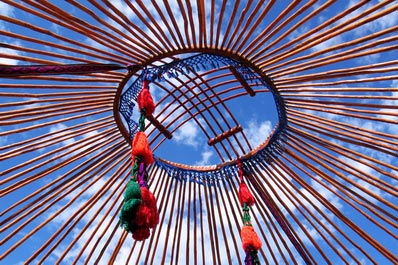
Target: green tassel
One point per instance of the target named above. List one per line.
(132, 191)
(246, 215)
(255, 259)
(132, 200)
(141, 121)
(129, 208)
(136, 166)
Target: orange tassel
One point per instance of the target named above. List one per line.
(245, 195)
(145, 100)
(141, 148)
(250, 238)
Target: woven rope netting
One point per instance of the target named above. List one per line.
(324, 173)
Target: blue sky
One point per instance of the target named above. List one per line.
(256, 114)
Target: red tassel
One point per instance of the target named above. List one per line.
(250, 238)
(145, 100)
(147, 214)
(141, 148)
(146, 217)
(141, 234)
(244, 195)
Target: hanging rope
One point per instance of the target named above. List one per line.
(139, 212)
(250, 241)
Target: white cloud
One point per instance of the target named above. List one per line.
(89, 235)
(326, 193)
(75, 145)
(394, 83)
(9, 52)
(81, 199)
(187, 134)
(171, 111)
(58, 127)
(257, 132)
(328, 43)
(383, 22)
(368, 187)
(122, 6)
(5, 9)
(392, 128)
(3, 139)
(206, 156)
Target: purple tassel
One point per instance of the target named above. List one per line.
(141, 175)
(249, 258)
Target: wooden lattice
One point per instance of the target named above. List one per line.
(325, 179)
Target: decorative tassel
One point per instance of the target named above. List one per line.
(141, 234)
(245, 195)
(147, 214)
(132, 201)
(250, 238)
(248, 259)
(146, 217)
(139, 212)
(141, 148)
(252, 257)
(145, 100)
